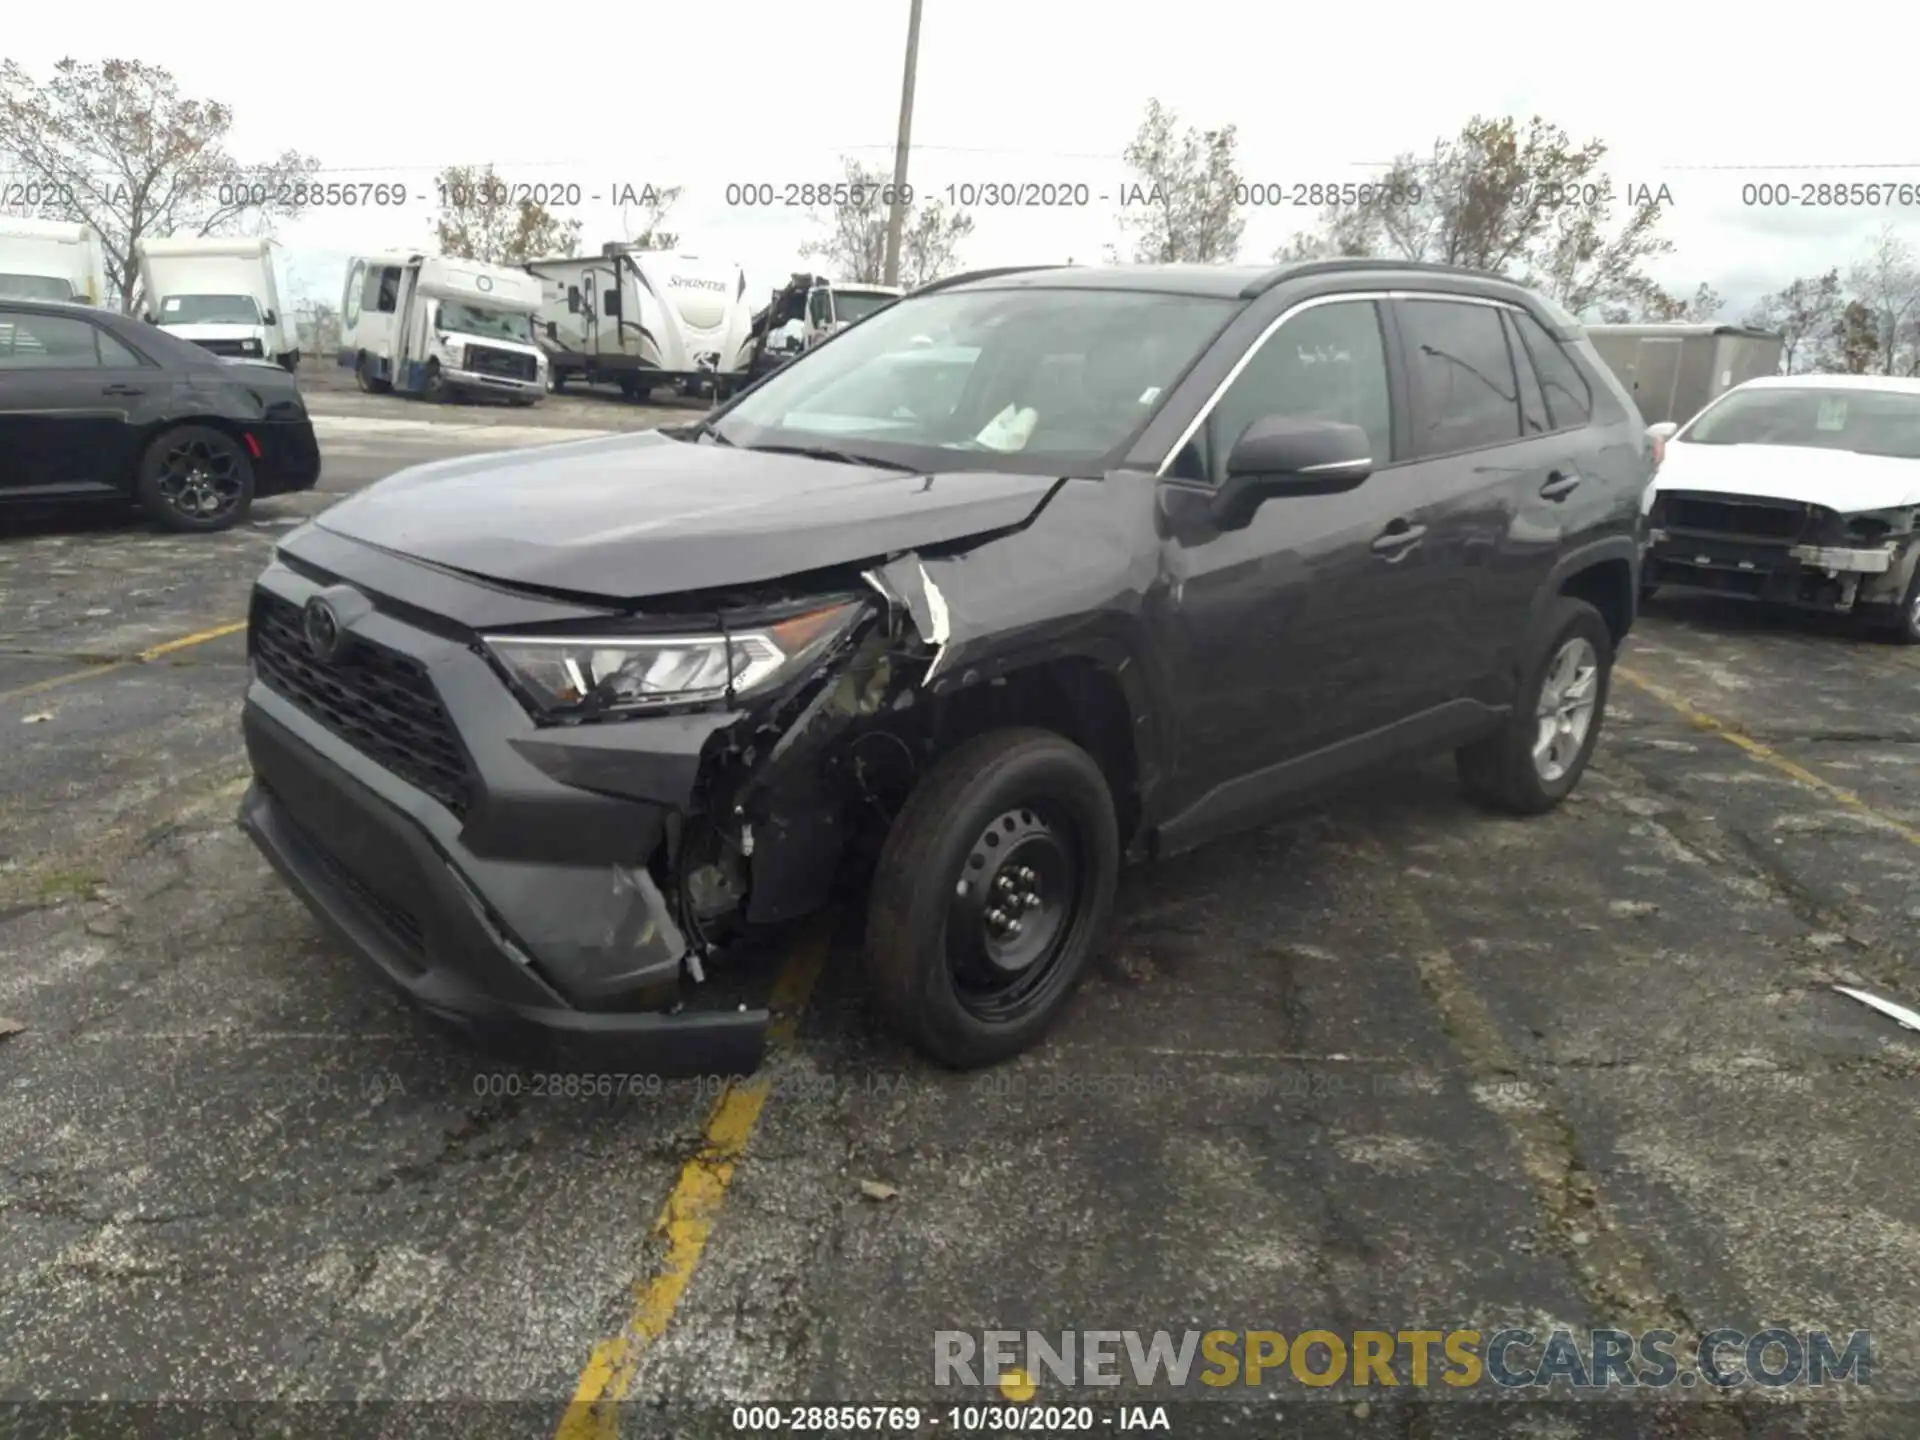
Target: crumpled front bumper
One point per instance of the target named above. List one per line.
(568, 957)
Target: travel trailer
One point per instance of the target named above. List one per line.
(642, 319)
(1674, 371)
(441, 328)
(224, 295)
(50, 260)
(807, 310)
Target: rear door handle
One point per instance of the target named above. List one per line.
(124, 390)
(1397, 539)
(1560, 484)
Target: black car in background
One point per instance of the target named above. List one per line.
(1022, 576)
(97, 406)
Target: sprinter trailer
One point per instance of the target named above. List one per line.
(645, 319)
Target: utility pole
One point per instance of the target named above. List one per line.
(897, 212)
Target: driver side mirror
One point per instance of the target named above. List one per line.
(1281, 455)
(269, 318)
(148, 317)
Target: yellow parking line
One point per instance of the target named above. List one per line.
(199, 637)
(693, 1208)
(1767, 755)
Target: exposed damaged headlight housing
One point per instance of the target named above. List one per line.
(1872, 525)
(581, 676)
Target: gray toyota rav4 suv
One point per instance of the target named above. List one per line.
(1026, 575)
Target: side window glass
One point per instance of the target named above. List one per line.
(1328, 362)
(1569, 396)
(31, 341)
(1533, 403)
(389, 290)
(1464, 393)
(113, 353)
(356, 287)
(370, 295)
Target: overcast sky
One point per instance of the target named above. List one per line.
(755, 91)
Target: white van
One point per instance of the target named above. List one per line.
(439, 327)
(224, 295)
(50, 260)
(646, 318)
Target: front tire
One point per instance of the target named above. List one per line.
(1904, 628)
(433, 388)
(195, 479)
(992, 890)
(1534, 760)
(368, 382)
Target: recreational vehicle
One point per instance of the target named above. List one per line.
(225, 296)
(1674, 371)
(440, 327)
(50, 260)
(642, 319)
(807, 310)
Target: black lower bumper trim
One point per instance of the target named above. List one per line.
(668, 1044)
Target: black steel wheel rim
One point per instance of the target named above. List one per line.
(201, 477)
(1013, 913)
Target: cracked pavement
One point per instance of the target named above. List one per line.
(1390, 1063)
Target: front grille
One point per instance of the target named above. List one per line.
(1779, 521)
(380, 702)
(239, 349)
(506, 364)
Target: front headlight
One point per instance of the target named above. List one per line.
(1873, 526)
(588, 675)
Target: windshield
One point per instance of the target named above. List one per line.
(1025, 379)
(209, 310)
(34, 287)
(852, 305)
(1865, 421)
(486, 320)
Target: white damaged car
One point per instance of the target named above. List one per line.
(1798, 490)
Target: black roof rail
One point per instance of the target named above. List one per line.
(972, 275)
(1334, 264)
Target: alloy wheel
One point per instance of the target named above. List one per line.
(200, 478)
(1568, 695)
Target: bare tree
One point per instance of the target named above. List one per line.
(1887, 282)
(1183, 203)
(654, 205)
(1858, 339)
(114, 145)
(481, 219)
(1807, 314)
(1527, 203)
(855, 245)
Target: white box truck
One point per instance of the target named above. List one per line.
(51, 260)
(1674, 371)
(226, 296)
(441, 328)
(642, 319)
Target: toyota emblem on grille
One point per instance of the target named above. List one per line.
(321, 627)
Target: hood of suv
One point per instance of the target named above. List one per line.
(633, 516)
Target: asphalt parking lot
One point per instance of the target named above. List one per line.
(1392, 1064)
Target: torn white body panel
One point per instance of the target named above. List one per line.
(1837, 479)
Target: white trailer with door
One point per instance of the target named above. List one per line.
(224, 295)
(1674, 372)
(440, 328)
(644, 319)
(51, 260)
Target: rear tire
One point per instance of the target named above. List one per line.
(195, 479)
(1016, 824)
(368, 382)
(1534, 760)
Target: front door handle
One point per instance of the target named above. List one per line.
(1397, 539)
(124, 390)
(1560, 484)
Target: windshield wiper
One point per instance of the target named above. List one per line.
(707, 428)
(841, 457)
